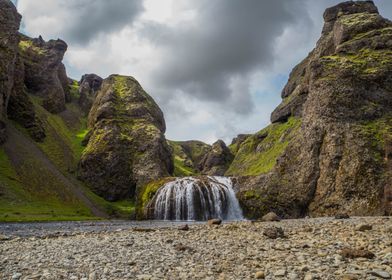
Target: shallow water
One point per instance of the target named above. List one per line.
(72, 227)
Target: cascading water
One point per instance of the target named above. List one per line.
(196, 199)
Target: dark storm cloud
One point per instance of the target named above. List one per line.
(90, 18)
(227, 39)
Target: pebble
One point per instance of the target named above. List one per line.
(364, 227)
(280, 273)
(16, 276)
(260, 275)
(380, 273)
(236, 250)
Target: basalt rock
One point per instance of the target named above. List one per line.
(89, 86)
(126, 147)
(21, 109)
(217, 160)
(45, 74)
(334, 158)
(9, 25)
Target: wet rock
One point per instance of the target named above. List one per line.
(214, 222)
(184, 227)
(342, 216)
(274, 232)
(356, 253)
(270, 217)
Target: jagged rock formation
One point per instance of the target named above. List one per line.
(89, 86)
(126, 146)
(237, 141)
(187, 156)
(217, 160)
(336, 160)
(196, 158)
(9, 26)
(21, 109)
(44, 72)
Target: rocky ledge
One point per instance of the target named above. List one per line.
(324, 248)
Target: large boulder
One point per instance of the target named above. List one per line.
(333, 128)
(9, 39)
(45, 74)
(89, 86)
(217, 160)
(126, 145)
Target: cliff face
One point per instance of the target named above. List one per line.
(9, 26)
(126, 146)
(341, 94)
(45, 74)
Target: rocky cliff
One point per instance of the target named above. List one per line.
(126, 144)
(327, 149)
(9, 38)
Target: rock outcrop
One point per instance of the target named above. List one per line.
(187, 156)
(89, 86)
(336, 159)
(217, 160)
(126, 144)
(45, 74)
(9, 39)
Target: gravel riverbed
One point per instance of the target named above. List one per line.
(324, 248)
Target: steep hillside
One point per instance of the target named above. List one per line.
(327, 149)
(42, 127)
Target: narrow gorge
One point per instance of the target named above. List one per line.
(101, 141)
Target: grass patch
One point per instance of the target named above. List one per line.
(27, 193)
(259, 152)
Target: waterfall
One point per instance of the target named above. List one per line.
(196, 199)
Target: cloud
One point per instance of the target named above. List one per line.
(225, 41)
(78, 21)
(216, 68)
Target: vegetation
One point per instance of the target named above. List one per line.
(30, 196)
(259, 152)
(28, 45)
(147, 193)
(186, 156)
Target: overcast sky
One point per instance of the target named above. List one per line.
(216, 68)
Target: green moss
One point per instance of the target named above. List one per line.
(147, 193)
(180, 169)
(358, 18)
(28, 45)
(364, 62)
(258, 154)
(74, 90)
(377, 132)
(186, 155)
(28, 193)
